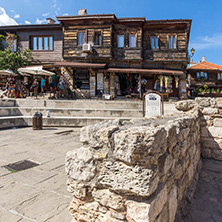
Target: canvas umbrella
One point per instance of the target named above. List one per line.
(35, 70)
(7, 73)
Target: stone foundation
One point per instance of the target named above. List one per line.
(137, 171)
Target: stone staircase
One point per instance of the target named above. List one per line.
(71, 113)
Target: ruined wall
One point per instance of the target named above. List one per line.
(210, 110)
(137, 171)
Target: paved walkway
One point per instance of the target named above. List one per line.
(36, 194)
(207, 203)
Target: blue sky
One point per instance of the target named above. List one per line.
(206, 35)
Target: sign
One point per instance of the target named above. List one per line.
(153, 104)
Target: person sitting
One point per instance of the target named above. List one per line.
(10, 85)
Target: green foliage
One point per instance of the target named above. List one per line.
(13, 60)
(205, 87)
(2, 37)
(200, 90)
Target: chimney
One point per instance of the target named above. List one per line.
(82, 12)
(204, 59)
(192, 64)
(50, 21)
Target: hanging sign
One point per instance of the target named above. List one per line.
(152, 104)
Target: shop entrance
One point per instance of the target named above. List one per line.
(127, 84)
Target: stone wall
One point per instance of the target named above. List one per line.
(137, 171)
(210, 110)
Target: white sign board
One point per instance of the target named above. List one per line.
(99, 81)
(152, 105)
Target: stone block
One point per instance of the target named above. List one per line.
(108, 199)
(210, 111)
(218, 122)
(147, 211)
(215, 132)
(185, 105)
(219, 102)
(204, 132)
(203, 102)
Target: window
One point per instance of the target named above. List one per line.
(120, 41)
(154, 42)
(172, 42)
(42, 43)
(13, 46)
(98, 38)
(202, 75)
(219, 76)
(81, 38)
(132, 40)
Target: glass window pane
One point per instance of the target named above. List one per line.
(34, 43)
(46, 43)
(198, 75)
(156, 41)
(132, 40)
(83, 38)
(120, 41)
(202, 74)
(39, 43)
(79, 38)
(51, 43)
(152, 43)
(170, 42)
(174, 42)
(218, 76)
(205, 75)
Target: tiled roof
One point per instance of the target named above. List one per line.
(206, 66)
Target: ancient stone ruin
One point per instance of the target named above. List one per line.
(143, 170)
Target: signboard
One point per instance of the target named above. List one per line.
(153, 104)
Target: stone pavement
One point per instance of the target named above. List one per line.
(36, 194)
(206, 205)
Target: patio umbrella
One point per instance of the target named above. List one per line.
(35, 70)
(7, 73)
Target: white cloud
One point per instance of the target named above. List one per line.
(38, 21)
(45, 14)
(27, 22)
(54, 3)
(5, 19)
(206, 42)
(65, 14)
(17, 16)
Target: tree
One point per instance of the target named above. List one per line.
(13, 60)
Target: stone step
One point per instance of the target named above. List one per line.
(70, 112)
(22, 121)
(96, 104)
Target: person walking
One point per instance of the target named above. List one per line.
(11, 86)
(35, 86)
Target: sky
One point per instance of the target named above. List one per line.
(206, 28)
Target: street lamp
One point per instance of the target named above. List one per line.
(192, 53)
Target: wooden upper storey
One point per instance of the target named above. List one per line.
(110, 37)
(126, 38)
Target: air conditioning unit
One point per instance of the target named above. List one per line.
(86, 47)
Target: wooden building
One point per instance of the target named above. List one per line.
(205, 79)
(120, 57)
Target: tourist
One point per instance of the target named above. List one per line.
(11, 86)
(42, 85)
(26, 86)
(35, 86)
(61, 86)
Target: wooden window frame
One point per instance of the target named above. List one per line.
(135, 34)
(172, 42)
(41, 50)
(85, 37)
(94, 38)
(156, 36)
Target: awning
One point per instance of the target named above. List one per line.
(34, 70)
(79, 65)
(7, 73)
(147, 71)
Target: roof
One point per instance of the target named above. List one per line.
(36, 26)
(206, 66)
(79, 65)
(146, 71)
